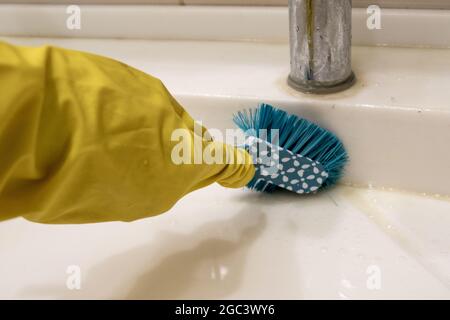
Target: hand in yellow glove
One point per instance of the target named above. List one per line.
(84, 138)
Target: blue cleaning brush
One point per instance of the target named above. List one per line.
(290, 152)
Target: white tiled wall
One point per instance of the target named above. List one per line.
(429, 4)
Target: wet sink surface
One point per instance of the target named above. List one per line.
(219, 243)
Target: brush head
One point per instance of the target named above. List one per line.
(298, 136)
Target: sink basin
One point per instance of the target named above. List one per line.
(382, 233)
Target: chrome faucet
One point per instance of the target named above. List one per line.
(320, 45)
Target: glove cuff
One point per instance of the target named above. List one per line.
(240, 172)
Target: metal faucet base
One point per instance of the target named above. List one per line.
(319, 87)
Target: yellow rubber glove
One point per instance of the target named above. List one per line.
(84, 138)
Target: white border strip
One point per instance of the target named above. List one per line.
(400, 27)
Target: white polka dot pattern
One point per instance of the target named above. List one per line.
(283, 168)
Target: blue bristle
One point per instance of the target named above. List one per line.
(300, 136)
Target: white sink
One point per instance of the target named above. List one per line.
(364, 239)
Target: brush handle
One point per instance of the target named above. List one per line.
(283, 168)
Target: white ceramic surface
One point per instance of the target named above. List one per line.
(219, 243)
(398, 27)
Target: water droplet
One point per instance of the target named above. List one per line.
(347, 284)
(223, 271)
